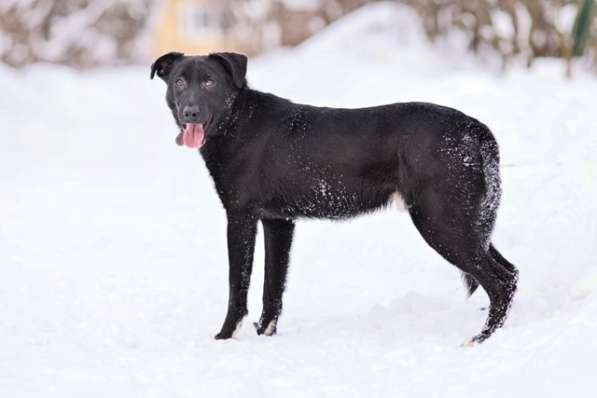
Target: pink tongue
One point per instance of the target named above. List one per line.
(193, 135)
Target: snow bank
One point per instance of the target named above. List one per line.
(113, 254)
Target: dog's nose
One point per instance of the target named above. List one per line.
(190, 113)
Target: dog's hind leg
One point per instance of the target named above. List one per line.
(500, 286)
(278, 240)
(472, 284)
(451, 230)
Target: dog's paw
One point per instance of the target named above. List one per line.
(228, 331)
(476, 340)
(223, 336)
(266, 329)
(468, 343)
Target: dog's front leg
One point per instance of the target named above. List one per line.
(278, 239)
(241, 244)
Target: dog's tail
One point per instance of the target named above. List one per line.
(500, 259)
(470, 283)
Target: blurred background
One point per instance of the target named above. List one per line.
(90, 33)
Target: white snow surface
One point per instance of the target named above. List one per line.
(113, 255)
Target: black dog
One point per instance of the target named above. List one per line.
(276, 161)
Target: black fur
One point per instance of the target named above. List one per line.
(275, 161)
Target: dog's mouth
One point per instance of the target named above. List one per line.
(192, 136)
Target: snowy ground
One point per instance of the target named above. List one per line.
(112, 249)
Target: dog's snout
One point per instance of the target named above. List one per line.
(190, 113)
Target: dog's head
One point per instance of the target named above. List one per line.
(200, 90)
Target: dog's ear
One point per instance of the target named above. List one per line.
(235, 64)
(163, 65)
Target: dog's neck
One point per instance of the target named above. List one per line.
(228, 121)
(235, 127)
(226, 132)
(237, 117)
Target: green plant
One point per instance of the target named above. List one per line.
(582, 27)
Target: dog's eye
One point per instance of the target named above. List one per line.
(209, 83)
(180, 84)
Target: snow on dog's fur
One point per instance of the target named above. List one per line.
(275, 161)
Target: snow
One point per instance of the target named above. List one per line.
(113, 252)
